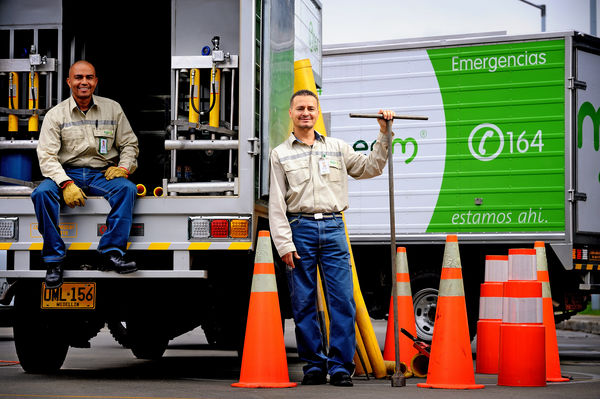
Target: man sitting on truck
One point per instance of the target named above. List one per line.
(308, 192)
(86, 145)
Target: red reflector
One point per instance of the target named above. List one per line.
(219, 228)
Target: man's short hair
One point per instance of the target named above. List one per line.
(303, 92)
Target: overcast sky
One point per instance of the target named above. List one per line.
(347, 21)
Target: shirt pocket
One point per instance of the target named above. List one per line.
(73, 140)
(335, 170)
(104, 140)
(297, 172)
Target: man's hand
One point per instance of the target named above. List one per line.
(388, 115)
(73, 195)
(288, 258)
(114, 171)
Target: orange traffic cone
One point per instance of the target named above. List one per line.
(406, 315)
(490, 314)
(264, 362)
(451, 361)
(552, 360)
(522, 360)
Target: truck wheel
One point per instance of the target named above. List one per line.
(148, 345)
(146, 340)
(425, 304)
(424, 287)
(149, 348)
(119, 332)
(40, 346)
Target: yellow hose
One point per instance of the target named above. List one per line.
(364, 321)
(360, 347)
(322, 305)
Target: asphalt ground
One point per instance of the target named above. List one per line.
(191, 369)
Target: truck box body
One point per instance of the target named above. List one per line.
(509, 148)
(508, 156)
(208, 154)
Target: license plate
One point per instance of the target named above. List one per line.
(69, 296)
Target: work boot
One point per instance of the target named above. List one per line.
(54, 274)
(314, 378)
(341, 379)
(113, 261)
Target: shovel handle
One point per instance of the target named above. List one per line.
(413, 117)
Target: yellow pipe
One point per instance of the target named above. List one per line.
(34, 100)
(13, 91)
(158, 192)
(390, 366)
(304, 79)
(364, 321)
(215, 114)
(419, 365)
(360, 347)
(141, 190)
(193, 116)
(322, 304)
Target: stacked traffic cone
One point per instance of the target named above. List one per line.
(264, 362)
(522, 360)
(406, 316)
(451, 361)
(552, 360)
(490, 314)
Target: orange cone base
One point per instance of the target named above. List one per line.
(264, 384)
(559, 379)
(488, 346)
(522, 361)
(451, 362)
(451, 386)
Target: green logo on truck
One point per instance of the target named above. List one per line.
(361, 145)
(504, 167)
(587, 109)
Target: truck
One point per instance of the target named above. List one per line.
(206, 88)
(508, 156)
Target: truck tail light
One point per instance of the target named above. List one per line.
(209, 227)
(219, 228)
(239, 228)
(9, 228)
(199, 228)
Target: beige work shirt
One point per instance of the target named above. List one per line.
(314, 179)
(100, 138)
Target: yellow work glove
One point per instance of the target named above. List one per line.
(73, 195)
(115, 171)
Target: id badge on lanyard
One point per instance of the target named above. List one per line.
(323, 166)
(103, 146)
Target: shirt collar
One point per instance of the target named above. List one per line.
(73, 104)
(318, 137)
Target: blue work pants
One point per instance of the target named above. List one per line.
(322, 242)
(120, 194)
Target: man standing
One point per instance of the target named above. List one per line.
(308, 192)
(86, 145)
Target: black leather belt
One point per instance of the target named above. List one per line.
(316, 216)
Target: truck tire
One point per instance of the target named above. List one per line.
(149, 348)
(425, 296)
(425, 304)
(144, 340)
(40, 345)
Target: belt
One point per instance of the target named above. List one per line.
(317, 216)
